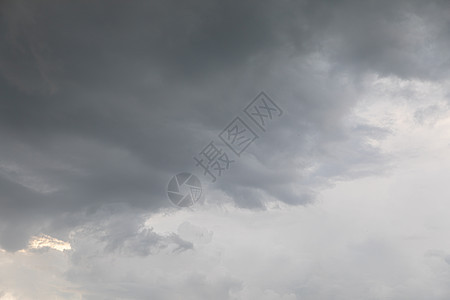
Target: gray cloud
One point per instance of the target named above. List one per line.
(102, 103)
(140, 88)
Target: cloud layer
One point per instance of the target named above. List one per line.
(102, 103)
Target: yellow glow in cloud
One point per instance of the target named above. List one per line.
(7, 296)
(47, 241)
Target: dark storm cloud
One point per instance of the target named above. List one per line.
(121, 231)
(408, 39)
(98, 101)
(103, 102)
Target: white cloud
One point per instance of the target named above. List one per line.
(346, 196)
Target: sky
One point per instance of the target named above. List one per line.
(342, 194)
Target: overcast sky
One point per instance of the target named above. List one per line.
(343, 194)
